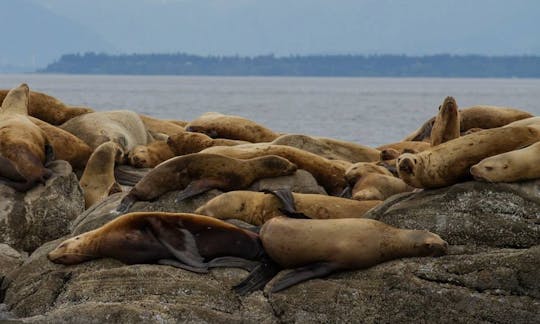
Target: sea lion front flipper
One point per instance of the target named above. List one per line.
(287, 199)
(233, 262)
(258, 278)
(19, 186)
(199, 186)
(126, 203)
(298, 275)
(9, 171)
(181, 265)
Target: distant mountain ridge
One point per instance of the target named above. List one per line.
(313, 65)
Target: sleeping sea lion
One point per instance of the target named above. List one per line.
(190, 142)
(148, 156)
(376, 186)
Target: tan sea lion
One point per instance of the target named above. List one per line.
(256, 207)
(449, 163)
(199, 172)
(122, 126)
(50, 109)
(181, 123)
(217, 125)
(24, 147)
(315, 248)
(517, 165)
(376, 186)
(329, 174)
(531, 121)
(190, 142)
(406, 146)
(161, 126)
(97, 180)
(446, 126)
(360, 169)
(148, 156)
(188, 241)
(331, 149)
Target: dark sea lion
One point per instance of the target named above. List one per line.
(256, 207)
(190, 142)
(315, 248)
(217, 125)
(329, 173)
(187, 241)
(50, 109)
(148, 156)
(449, 163)
(199, 172)
(446, 126)
(24, 147)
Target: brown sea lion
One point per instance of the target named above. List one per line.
(97, 181)
(406, 146)
(449, 163)
(217, 125)
(376, 186)
(24, 147)
(148, 156)
(199, 172)
(316, 248)
(186, 241)
(190, 142)
(360, 169)
(446, 126)
(50, 109)
(331, 149)
(181, 123)
(161, 126)
(256, 207)
(518, 165)
(531, 121)
(329, 174)
(122, 126)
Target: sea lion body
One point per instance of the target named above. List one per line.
(449, 163)
(147, 237)
(446, 126)
(217, 125)
(148, 156)
(360, 169)
(376, 186)
(406, 147)
(256, 207)
(191, 142)
(156, 125)
(329, 174)
(517, 165)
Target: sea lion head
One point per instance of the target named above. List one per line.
(16, 100)
(276, 165)
(490, 169)
(426, 243)
(389, 154)
(409, 168)
(72, 251)
(449, 106)
(188, 142)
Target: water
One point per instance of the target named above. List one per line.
(370, 111)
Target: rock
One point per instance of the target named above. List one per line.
(27, 220)
(301, 181)
(478, 213)
(10, 259)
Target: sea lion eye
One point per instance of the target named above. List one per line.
(488, 168)
(505, 166)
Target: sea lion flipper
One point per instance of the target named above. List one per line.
(347, 192)
(258, 278)
(286, 197)
(129, 176)
(298, 275)
(8, 170)
(199, 186)
(19, 186)
(126, 203)
(233, 262)
(49, 154)
(181, 265)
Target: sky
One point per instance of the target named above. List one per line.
(280, 27)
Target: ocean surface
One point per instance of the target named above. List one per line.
(369, 111)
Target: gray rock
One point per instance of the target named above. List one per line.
(301, 181)
(479, 213)
(27, 220)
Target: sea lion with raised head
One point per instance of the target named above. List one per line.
(446, 126)
(217, 125)
(191, 142)
(449, 163)
(187, 241)
(315, 248)
(199, 172)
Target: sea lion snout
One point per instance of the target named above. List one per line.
(406, 165)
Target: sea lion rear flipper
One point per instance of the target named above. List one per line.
(258, 278)
(181, 265)
(199, 186)
(298, 275)
(233, 262)
(287, 199)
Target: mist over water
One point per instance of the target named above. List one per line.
(370, 111)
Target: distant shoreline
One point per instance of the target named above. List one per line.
(443, 66)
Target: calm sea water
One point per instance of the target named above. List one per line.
(370, 111)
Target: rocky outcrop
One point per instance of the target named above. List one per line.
(27, 220)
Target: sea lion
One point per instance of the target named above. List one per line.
(376, 186)
(449, 163)
(24, 147)
(256, 207)
(446, 126)
(360, 169)
(217, 125)
(181, 123)
(517, 165)
(50, 109)
(65, 145)
(406, 147)
(122, 126)
(148, 156)
(190, 142)
(329, 174)
(97, 181)
(156, 125)
(531, 121)
(316, 248)
(199, 172)
(329, 148)
(186, 241)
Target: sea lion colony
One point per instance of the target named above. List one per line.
(313, 234)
